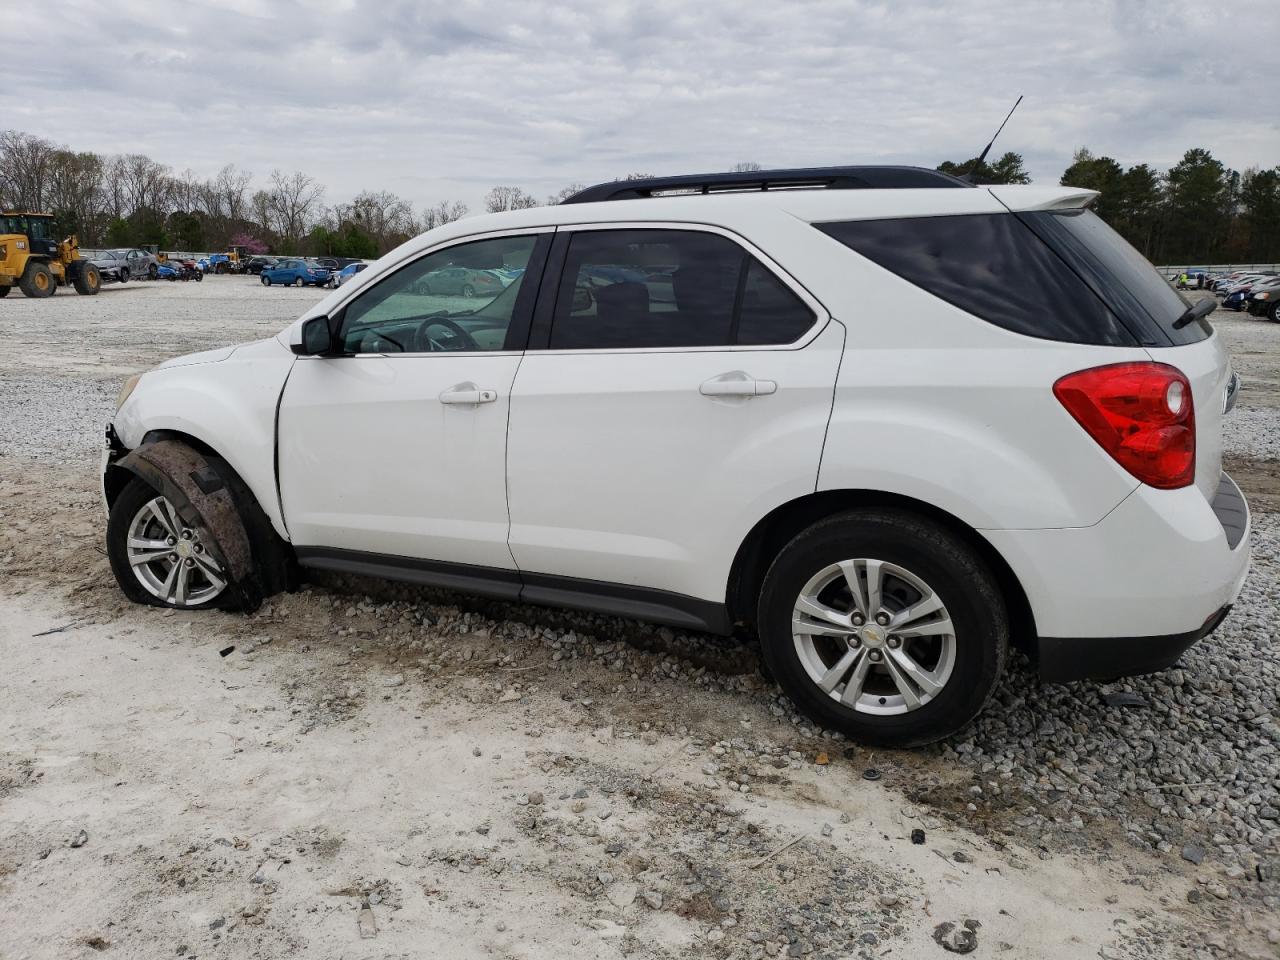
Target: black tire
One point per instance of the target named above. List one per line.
(299, 282)
(199, 277)
(153, 270)
(131, 499)
(124, 274)
(468, 291)
(954, 571)
(86, 278)
(38, 280)
(4, 291)
(1274, 313)
(266, 281)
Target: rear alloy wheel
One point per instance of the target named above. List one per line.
(1274, 312)
(156, 557)
(885, 626)
(38, 280)
(468, 291)
(153, 270)
(297, 281)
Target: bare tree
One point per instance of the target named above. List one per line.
(565, 193)
(745, 166)
(24, 169)
(508, 198)
(74, 192)
(382, 215)
(446, 211)
(294, 198)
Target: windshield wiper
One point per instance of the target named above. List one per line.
(1197, 311)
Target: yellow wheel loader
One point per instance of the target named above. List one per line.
(32, 259)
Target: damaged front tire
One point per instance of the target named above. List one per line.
(157, 556)
(185, 532)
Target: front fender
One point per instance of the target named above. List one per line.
(229, 406)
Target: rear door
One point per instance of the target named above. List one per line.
(676, 388)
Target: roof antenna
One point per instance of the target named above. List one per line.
(973, 171)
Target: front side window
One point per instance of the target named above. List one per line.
(626, 289)
(461, 298)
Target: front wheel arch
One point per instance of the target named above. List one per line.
(272, 564)
(777, 528)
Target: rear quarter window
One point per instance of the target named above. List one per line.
(993, 266)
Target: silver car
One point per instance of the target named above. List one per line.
(126, 263)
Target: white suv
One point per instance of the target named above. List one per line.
(890, 422)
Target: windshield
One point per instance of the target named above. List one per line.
(1121, 277)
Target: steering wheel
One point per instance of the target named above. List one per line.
(428, 344)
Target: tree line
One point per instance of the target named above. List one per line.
(1197, 211)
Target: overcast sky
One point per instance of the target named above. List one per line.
(443, 100)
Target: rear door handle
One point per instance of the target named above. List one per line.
(468, 393)
(737, 384)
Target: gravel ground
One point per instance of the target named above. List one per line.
(1164, 786)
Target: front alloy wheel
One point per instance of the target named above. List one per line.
(169, 559)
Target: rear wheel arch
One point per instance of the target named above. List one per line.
(781, 525)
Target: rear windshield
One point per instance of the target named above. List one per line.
(1057, 276)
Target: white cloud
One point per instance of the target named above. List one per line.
(437, 100)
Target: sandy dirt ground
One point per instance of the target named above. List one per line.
(365, 772)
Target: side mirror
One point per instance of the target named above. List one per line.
(312, 339)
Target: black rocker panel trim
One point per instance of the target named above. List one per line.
(615, 599)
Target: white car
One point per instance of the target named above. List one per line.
(891, 422)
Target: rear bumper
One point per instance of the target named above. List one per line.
(1131, 593)
(1060, 659)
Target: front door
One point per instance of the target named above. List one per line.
(398, 448)
(683, 391)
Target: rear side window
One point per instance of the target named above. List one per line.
(625, 289)
(993, 266)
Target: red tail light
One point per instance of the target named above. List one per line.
(1141, 414)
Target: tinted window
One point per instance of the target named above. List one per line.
(993, 266)
(770, 312)
(669, 288)
(459, 298)
(1117, 273)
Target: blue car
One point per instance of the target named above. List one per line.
(297, 273)
(347, 272)
(166, 272)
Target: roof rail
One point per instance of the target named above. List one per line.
(826, 178)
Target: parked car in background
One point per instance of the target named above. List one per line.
(189, 270)
(1264, 300)
(125, 264)
(455, 281)
(167, 271)
(295, 272)
(347, 272)
(256, 265)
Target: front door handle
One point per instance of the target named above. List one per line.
(737, 384)
(468, 393)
